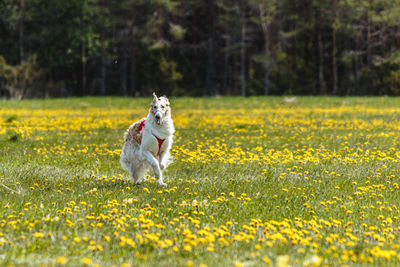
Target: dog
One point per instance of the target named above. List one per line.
(148, 142)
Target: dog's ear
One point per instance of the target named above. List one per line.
(155, 99)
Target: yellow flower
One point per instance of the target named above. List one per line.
(61, 260)
(86, 261)
(107, 238)
(267, 260)
(38, 235)
(187, 247)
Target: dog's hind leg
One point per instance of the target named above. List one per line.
(138, 173)
(155, 165)
(129, 166)
(134, 175)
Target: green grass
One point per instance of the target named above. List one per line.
(253, 181)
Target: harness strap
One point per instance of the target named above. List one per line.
(141, 126)
(159, 140)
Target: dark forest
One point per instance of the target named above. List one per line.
(64, 48)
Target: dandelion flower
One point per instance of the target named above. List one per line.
(86, 261)
(61, 260)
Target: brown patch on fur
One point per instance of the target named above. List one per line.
(133, 135)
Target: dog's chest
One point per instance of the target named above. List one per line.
(154, 139)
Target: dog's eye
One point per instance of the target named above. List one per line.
(162, 106)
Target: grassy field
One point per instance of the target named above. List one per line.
(253, 183)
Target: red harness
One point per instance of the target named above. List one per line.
(160, 141)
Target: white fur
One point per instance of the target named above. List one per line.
(137, 158)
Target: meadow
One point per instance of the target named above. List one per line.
(254, 182)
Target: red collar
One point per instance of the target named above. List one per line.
(160, 141)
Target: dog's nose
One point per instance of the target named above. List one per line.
(158, 116)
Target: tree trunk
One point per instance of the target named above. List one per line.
(356, 76)
(84, 74)
(225, 81)
(131, 77)
(123, 71)
(346, 78)
(83, 55)
(243, 50)
(161, 22)
(321, 79)
(369, 58)
(132, 56)
(21, 31)
(211, 74)
(265, 28)
(103, 69)
(103, 55)
(334, 51)
(211, 68)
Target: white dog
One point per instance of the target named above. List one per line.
(148, 141)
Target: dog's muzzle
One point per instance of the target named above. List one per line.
(158, 118)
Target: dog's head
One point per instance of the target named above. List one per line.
(160, 108)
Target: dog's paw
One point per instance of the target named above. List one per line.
(136, 181)
(162, 183)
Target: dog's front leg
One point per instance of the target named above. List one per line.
(164, 159)
(155, 165)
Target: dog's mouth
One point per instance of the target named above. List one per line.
(158, 121)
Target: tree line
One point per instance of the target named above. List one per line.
(199, 47)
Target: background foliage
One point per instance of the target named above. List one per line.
(247, 47)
